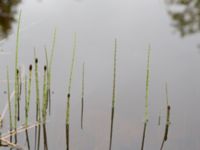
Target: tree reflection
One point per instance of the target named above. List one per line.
(7, 15)
(185, 15)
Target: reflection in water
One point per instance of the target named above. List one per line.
(7, 12)
(38, 142)
(67, 136)
(185, 15)
(27, 140)
(45, 137)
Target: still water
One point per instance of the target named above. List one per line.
(175, 59)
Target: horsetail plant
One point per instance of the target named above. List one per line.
(82, 94)
(16, 80)
(146, 98)
(44, 104)
(19, 91)
(113, 93)
(18, 95)
(29, 94)
(69, 92)
(167, 119)
(38, 119)
(9, 103)
(49, 66)
(27, 139)
(46, 56)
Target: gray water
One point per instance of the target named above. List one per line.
(136, 24)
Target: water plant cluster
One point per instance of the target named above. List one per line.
(43, 103)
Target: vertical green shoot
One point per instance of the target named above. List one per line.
(26, 101)
(82, 94)
(16, 66)
(38, 119)
(167, 119)
(9, 103)
(70, 80)
(49, 66)
(114, 74)
(113, 94)
(44, 104)
(146, 98)
(147, 86)
(166, 91)
(46, 57)
(29, 94)
(69, 92)
(18, 95)
(37, 92)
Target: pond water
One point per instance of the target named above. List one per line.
(175, 59)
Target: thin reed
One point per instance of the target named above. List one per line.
(49, 67)
(29, 94)
(16, 79)
(69, 92)
(82, 94)
(167, 118)
(113, 94)
(38, 115)
(44, 103)
(146, 98)
(9, 103)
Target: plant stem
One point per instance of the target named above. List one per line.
(9, 103)
(82, 99)
(113, 94)
(69, 91)
(146, 98)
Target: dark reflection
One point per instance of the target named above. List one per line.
(185, 15)
(7, 12)
(38, 138)
(111, 128)
(67, 136)
(27, 140)
(45, 137)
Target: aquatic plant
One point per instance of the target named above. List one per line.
(29, 94)
(27, 139)
(44, 103)
(18, 95)
(49, 67)
(69, 92)
(167, 118)
(9, 103)
(82, 94)
(38, 115)
(16, 79)
(146, 98)
(113, 94)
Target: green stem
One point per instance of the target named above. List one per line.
(16, 66)
(9, 103)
